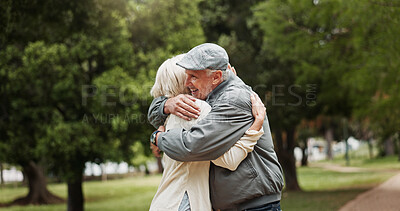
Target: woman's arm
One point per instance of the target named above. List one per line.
(238, 152)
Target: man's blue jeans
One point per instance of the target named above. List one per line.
(274, 206)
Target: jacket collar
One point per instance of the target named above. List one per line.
(215, 93)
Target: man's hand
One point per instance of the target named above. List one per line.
(182, 106)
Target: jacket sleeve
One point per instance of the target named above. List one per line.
(236, 154)
(211, 137)
(156, 114)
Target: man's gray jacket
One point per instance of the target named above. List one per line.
(258, 179)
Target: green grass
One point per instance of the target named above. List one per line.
(383, 163)
(322, 190)
(329, 190)
(125, 194)
(317, 200)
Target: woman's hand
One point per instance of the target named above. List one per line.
(259, 112)
(154, 149)
(161, 128)
(232, 69)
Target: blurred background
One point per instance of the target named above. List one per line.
(75, 80)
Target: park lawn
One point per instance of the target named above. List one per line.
(381, 163)
(322, 190)
(329, 190)
(115, 195)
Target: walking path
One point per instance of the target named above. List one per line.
(383, 197)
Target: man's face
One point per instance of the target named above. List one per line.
(199, 83)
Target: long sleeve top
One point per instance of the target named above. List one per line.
(259, 177)
(192, 177)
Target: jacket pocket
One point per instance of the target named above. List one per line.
(250, 167)
(234, 187)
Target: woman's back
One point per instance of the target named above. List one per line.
(180, 177)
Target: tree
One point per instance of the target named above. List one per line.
(159, 30)
(82, 95)
(283, 46)
(336, 47)
(90, 72)
(375, 81)
(22, 117)
(19, 127)
(44, 70)
(233, 25)
(306, 130)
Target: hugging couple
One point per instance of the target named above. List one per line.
(213, 130)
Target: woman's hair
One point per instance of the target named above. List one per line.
(170, 79)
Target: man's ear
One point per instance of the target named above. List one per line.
(217, 78)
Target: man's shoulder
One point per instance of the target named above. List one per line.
(237, 95)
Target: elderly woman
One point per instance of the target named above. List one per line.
(185, 185)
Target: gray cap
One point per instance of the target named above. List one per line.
(205, 56)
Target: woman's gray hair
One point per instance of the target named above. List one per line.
(170, 79)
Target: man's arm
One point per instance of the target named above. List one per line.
(211, 137)
(182, 106)
(156, 113)
(235, 155)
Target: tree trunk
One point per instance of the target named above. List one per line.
(38, 192)
(286, 157)
(103, 172)
(304, 158)
(329, 140)
(146, 169)
(398, 148)
(1, 174)
(370, 149)
(389, 146)
(160, 166)
(75, 194)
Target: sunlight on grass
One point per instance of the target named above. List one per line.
(127, 194)
(319, 179)
(384, 163)
(329, 190)
(322, 189)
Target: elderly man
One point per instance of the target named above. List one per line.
(257, 182)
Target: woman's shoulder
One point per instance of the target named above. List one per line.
(203, 105)
(174, 121)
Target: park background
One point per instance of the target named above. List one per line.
(75, 78)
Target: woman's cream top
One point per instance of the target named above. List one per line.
(192, 177)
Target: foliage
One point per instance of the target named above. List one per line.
(340, 48)
(75, 77)
(230, 24)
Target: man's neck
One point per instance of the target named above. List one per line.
(218, 87)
